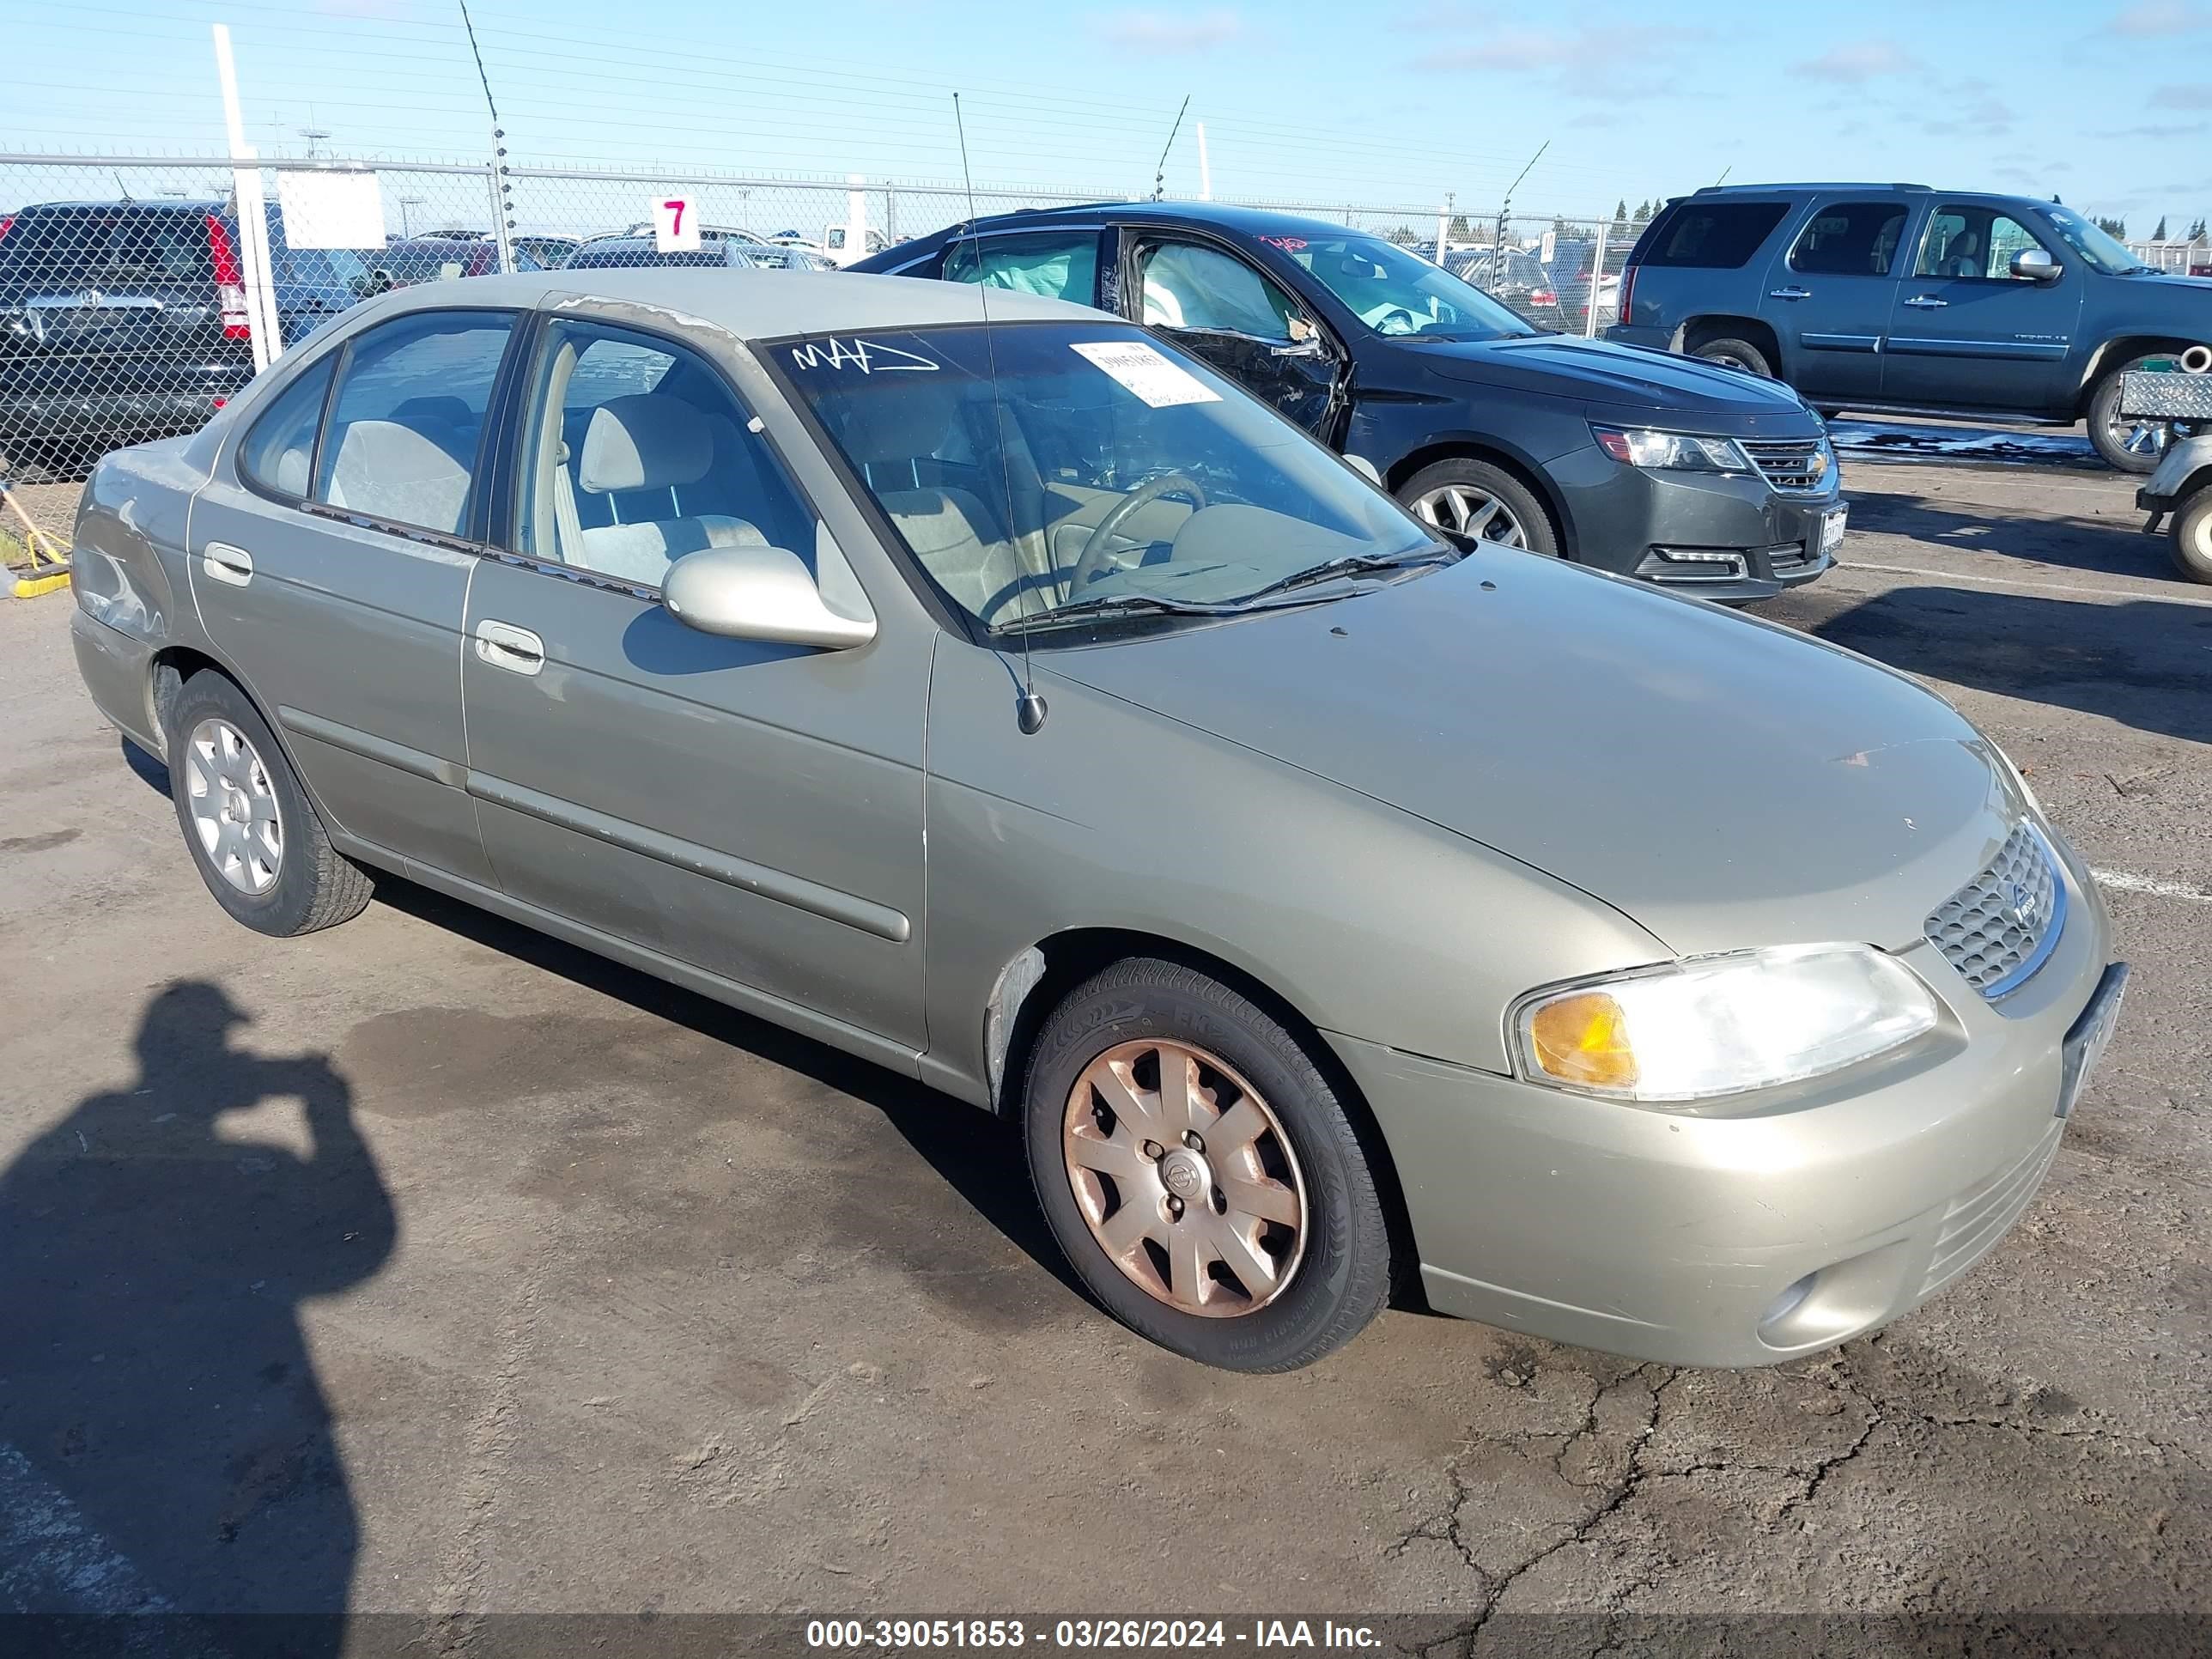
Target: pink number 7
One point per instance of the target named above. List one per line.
(674, 225)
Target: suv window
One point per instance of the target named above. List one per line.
(1059, 265)
(1709, 235)
(120, 247)
(1973, 244)
(637, 453)
(278, 453)
(1851, 238)
(1186, 286)
(403, 433)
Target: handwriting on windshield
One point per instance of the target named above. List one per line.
(869, 357)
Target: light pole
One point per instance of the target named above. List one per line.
(405, 202)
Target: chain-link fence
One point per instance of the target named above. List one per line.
(2190, 259)
(134, 300)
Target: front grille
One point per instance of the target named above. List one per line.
(1802, 464)
(1978, 1219)
(1997, 929)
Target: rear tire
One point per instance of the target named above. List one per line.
(2191, 544)
(1731, 353)
(2135, 447)
(1285, 1185)
(253, 833)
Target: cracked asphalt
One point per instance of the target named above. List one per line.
(427, 1266)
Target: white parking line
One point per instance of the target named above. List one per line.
(2011, 581)
(2127, 882)
(52, 1559)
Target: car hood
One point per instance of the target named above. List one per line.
(1619, 377)
(2199, 285)
(1723, 782)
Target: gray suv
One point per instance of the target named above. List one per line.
(1900, 298)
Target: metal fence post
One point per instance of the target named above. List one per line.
(1597, 280)
(1443, 227)
(258, 295)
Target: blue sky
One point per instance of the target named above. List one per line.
(2107, 102)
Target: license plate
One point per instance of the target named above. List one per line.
(2087, 1041)
(1832, 530)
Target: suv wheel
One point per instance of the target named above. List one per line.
(1736, 354)
(1474, 498)
(2129, 444)
(1200, 1173)
(250, 827)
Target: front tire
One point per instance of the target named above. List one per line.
(1477, 498)
(253, 832)
(1731, 353)
(1200, 1172)
(2130, 445)
(2191, 544)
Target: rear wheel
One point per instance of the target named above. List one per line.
(1731, 353)
(2192, 537)
(260, 848)
(1476, 498)
(1200, 1172)
(2131, 444)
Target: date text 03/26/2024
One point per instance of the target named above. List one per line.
(899, 1635)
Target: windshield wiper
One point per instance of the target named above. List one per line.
(1112, 605)
(1352, 564)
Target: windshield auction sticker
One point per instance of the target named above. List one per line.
(1151, 376)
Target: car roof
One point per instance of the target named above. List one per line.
(1257, 221)
(115, 203)
(757, 305)
(1819, 185)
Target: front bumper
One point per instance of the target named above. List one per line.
(1686, 526)
(1674, 1237)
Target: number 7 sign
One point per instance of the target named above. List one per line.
(674, 228)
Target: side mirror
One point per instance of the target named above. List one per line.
(2036, 266)
(762, 593)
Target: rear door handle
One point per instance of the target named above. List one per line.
(226, 564)
(515, 649)
(1927, 302)
(1790, 293)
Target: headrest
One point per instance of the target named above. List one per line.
(899, 424)
(648, 441)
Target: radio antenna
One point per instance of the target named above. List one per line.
(1029, 709)
(1160, 172)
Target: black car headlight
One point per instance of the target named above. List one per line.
(1674, 451)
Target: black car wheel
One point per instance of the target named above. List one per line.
(1736, 354)
(1200, 1171)
(2126, 442)
(1476, 498)
(250, 827)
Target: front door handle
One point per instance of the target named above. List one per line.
(226, 564)
(1927, 302)
(1790, 293)
(515, 649)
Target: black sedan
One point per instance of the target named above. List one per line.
(1634, 461)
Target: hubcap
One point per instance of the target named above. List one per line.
(1470, 510)
(1185, 1178)
(232, 808)
(2148, 438)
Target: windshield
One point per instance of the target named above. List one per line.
(2102, 251)
(1395, 292)
(1103, 465)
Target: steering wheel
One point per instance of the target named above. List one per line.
(1092, 563)
(1389, 321)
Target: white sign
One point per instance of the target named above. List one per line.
(1151, 376)
(1550, 249)
(674, 228)
(330, 210)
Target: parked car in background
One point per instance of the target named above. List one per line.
(125, 320)
(1570, 274)
(550, 252)
(402, 263)
(1515, 275)
(740, 251)
(1330, 903)
(1481, 423)
(1902, 299)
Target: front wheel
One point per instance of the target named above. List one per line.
(1200, 1172)
(2131, 444)
(1476, 498)
(2192, 537)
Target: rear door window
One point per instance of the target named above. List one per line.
(1850, 239)
(1710, 235)
(278, 453)
(408, 417)
(123, 248)
(1059, 265)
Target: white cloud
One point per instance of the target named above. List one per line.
(1860, 61)
(2196, 96)
(1611, 62)
(2150, 19)
(1167, 32)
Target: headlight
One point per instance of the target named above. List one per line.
(1680, 451)
(1718, 1025)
